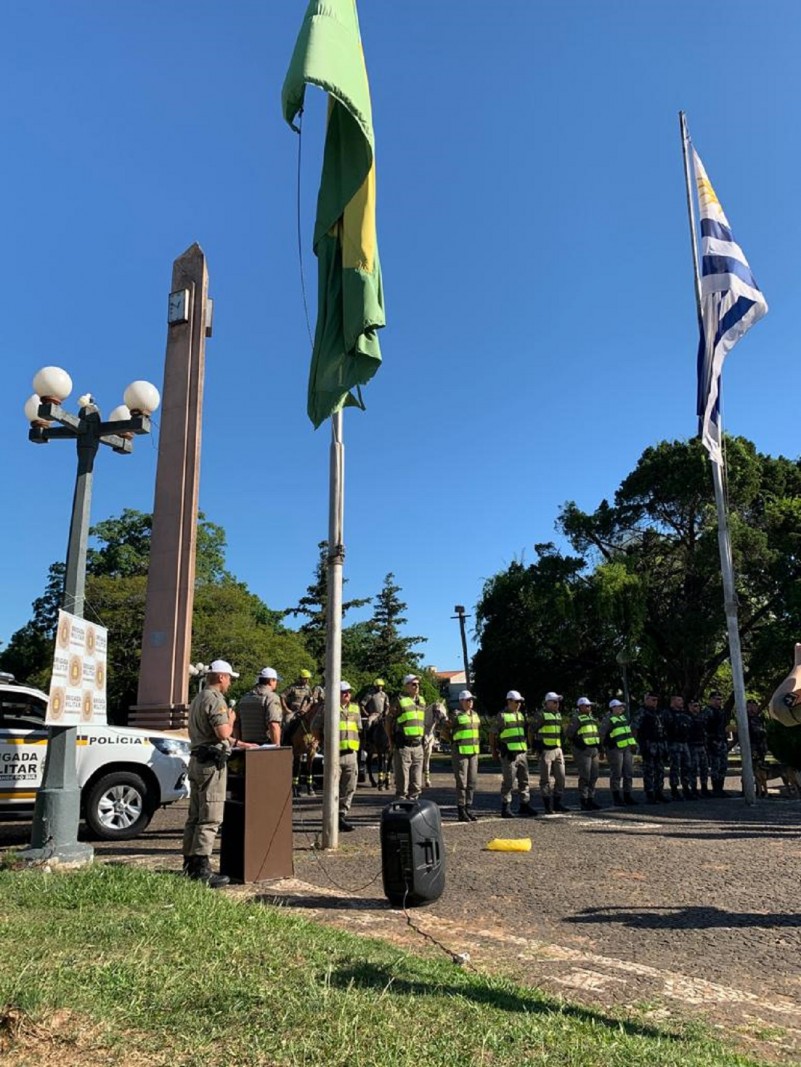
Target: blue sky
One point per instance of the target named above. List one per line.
(533, 234)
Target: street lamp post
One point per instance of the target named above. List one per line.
(54, 835)
(625, 658)
(460, 615)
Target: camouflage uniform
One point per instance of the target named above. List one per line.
(651, 742)
(297, 698)
(699, 764)
(677, 730)
(717, 746)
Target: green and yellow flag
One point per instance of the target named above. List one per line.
(350, 308)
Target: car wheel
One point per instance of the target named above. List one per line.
(117, 806)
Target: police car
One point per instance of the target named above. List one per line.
(124, 774)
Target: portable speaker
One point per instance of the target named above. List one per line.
(412, 853)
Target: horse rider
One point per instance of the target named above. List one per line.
(259, 712)
(406, 729)
(350, 722)
(373, 706)
(296, 699)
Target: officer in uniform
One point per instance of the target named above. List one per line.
(617, 738)
(508, 742)
(696, 742)
(260, 713)
(211, 724)
(717, 742)
(677, 730)
(298, 696)
(350, 722)
(546, 735)
(583, 732)
(373, 706)
(463, 729)
(650, 735)
(406, 728)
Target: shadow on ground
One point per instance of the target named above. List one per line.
(688, 918)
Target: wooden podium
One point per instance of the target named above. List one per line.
(256, 834)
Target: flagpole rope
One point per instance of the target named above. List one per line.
(300, 243)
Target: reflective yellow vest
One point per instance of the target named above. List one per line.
(411, 719)
(620, 733)
(349, 722)
(550, 733)
(465, 733)
(513, 734)
(588, 731)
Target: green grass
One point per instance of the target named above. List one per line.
(169, 968)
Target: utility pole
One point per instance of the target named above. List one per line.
(460, 615)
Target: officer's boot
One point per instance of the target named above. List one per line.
(295, 788)
(506, 811)
(585, 804)
(187, 867)
(617, 798)
(629, 800)
(526, 810)
(688, 793)
(462, 815)
(661, 798)
(345, 827)
(704, 788)
(547, 803)
(674, 792)
(470, 814)
(310, 787)
(202, 872)
(593, 805)
(558, 805)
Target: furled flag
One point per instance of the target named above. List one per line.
(350, 305)
(731, 302)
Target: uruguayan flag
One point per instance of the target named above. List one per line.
(731, 302)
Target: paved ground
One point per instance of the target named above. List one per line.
(676, 909)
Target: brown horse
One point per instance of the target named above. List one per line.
(304, 732)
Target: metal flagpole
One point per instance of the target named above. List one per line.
(333, 645)
(724, 541)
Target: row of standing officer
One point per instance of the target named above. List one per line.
(690, 743)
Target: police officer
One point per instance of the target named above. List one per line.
(211, 724)
(464, 728)
(546, 734)
(406, 728)
(677, 731)
(583, 732)
(260, 713)
(298, 696)
(620, 745)
(508, 743)
(650, 737)
(349, 726)
(696, 742)
(373, 706)
(716, 721)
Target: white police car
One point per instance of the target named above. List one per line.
(124, 774)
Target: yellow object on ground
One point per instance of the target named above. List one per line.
(509, 844)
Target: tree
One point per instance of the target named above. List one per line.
(313, 606)
(228, 621)
(388, 648)
(646, 574)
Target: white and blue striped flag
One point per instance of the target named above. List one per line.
(731, 302)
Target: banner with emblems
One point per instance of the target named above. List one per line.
(78, 685)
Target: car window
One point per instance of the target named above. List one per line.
(21, 711)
